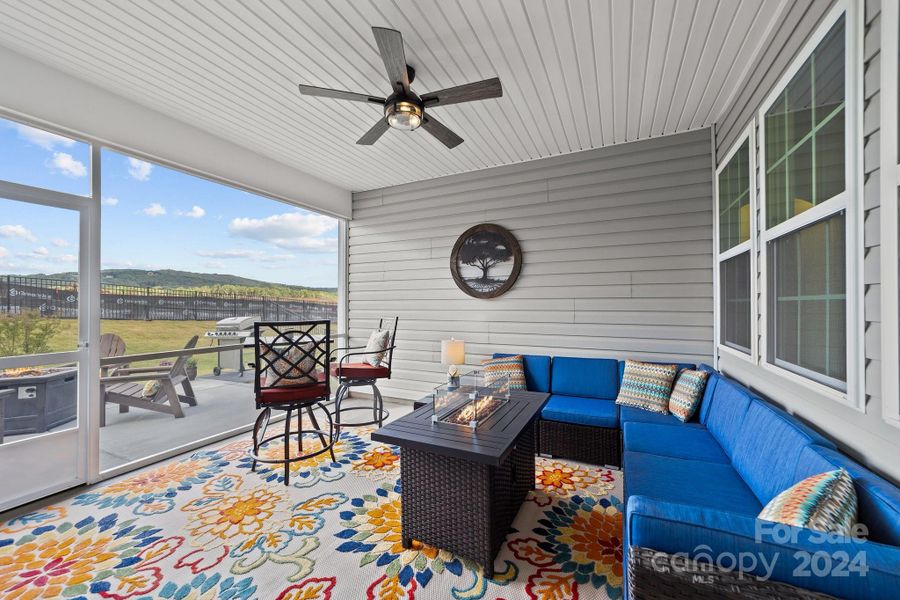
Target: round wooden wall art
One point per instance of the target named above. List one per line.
(486, 260)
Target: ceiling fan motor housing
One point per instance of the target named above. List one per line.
(404, 111)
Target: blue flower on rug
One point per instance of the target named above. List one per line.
(584, 537)
(213, 586)
(310, 471)
(153, 490)
(372, 528)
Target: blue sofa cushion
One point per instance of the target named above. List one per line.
(585, 377)
(878, 500)
(630, 414)
(710, 390)
(726, 411)
(581, 411)
(692, 443)
(694, 482)
(537, 371)
(768, 449)
(703, 532)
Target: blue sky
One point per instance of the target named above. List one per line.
(154, 218)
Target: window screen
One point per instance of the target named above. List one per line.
(734, 199)
(807, 301)
(735, 302)
(804, 134)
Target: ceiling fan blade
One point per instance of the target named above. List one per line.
(480, 90)
(372, 135)
(390, 46)
(440, 131)
(311, 90)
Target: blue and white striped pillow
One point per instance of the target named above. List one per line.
(647, 386)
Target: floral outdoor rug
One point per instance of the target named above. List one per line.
(207, 527)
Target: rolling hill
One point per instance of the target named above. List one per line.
(209, 282)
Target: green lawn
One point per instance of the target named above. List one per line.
(146, 336)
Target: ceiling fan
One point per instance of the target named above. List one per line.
(404, 109)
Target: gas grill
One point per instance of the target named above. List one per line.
(233, 330)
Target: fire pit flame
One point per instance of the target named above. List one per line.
(476, 410)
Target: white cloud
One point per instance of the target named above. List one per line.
(195, 213)
(17, 231)
(65, 164)
(253, 255)
(41, 251)
(115, 264)
(44, 139)
(60, 243)
(3, 252)
(231, 253)
(289, 230)
(110, 201)
(139, 169)
(214, 264)
(67, 258)
(154, 210)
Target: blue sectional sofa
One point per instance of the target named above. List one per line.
(693, 490)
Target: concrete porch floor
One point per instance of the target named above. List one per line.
(223, 403)
(161, 432)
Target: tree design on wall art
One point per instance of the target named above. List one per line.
(486, 261)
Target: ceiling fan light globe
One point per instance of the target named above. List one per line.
(404, 115)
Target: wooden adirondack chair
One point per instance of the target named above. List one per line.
(126, 386)
(111, 345)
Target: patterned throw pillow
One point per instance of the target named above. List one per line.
(378, 341)
(824, 502)
(282, 370)
(512, 367)
(687, 393)
(647, 386)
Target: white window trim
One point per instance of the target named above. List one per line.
(749, 136)
(850, 201)
(890, 179)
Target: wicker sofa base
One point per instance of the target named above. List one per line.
(584, 443)
(462, 506)
(654, 575)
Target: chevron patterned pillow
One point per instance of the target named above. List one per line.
(647, 386)
(512, 367)
(824, 502)
(687, 393)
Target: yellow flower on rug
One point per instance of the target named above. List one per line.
(224, 512)
(378, 463)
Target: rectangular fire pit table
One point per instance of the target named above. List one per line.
(462, 488)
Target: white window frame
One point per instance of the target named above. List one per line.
(890, 179)
(748, 136)
(91, 257)
(850, 201)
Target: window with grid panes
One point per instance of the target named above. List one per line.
(805, 154)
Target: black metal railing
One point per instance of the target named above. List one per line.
(59, 298)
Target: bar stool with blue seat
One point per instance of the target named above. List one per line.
(292, 366)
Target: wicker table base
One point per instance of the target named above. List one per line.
(462, 506)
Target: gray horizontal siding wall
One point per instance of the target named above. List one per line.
(617, 246)
(865, 436)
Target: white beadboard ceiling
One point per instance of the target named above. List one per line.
(576, 74)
